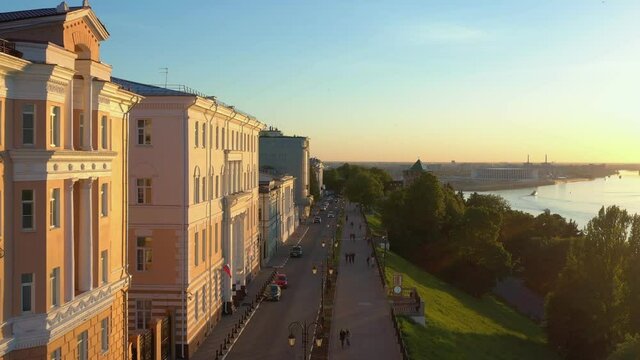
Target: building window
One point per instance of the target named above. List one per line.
(104, 334)
(55, 287)
(104, 199)
(215, 234)
(81, 130)
(143, 253)
(28, 210)
(83, 346)
(56, 354)
(55, 126)
(217, 187)
(27, 290)
(195, 249)
(104, 266)
(196, 189)
(204, 245)
(210, 244)
(54, 208)
(204, 135)
(197, 307)
(204, 299)
(233, 140)
(211, 191)
(223, 143)
(204, 188)
(217, 137)
(104, 131)
(28, 124)
(144, 132)
(144, 190)
(196, 136)
(143, 314)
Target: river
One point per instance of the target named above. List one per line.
(579, 201)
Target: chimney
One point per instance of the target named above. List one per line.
(62, 8)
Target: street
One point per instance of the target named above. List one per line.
(266, 335)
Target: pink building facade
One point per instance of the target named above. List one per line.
(194, 209)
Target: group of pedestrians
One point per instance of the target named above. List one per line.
(350, 258)
(345, 336)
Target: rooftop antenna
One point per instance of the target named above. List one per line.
(545, 159)
(165, 71)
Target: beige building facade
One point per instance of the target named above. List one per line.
(63, 176)
(194, 209)
(277, 213)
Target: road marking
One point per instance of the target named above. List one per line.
(241, 330)
(289, 257)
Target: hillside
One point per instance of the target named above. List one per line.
(460, 326)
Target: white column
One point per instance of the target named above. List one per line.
(227, 253)
(85, 240)
(69, 263)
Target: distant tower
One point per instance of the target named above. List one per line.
(545, 159)
(528, 159)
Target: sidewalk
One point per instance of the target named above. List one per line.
(227, 323)
(361, 304)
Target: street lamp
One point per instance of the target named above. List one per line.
(305, 329)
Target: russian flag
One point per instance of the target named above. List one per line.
(226, 269)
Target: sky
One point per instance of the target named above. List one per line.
(371, 80)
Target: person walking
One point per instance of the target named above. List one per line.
(343, 335)
(347, 337)
(368, 261)
(346, 257)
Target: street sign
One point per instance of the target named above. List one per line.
(397, 279)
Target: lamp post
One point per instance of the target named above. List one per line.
(305, 329)
(325, 270)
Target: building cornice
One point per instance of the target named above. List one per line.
(40, 329)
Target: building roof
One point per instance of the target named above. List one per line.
(34, 13)
(417, 166)
(151, 90)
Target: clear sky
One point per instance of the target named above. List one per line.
(370, 80)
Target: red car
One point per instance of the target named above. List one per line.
(281, 280)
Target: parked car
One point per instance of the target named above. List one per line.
(296, 251)
(281, 280)
(317, 220)
(330, 215)
(273, 292)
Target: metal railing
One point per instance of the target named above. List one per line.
(8, 47)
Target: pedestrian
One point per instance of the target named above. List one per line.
(353, 258)
(347, 336)
(352, 224)
(347, 217)
(368, 261)
(343, 335)
(360, 227)
(346, 257)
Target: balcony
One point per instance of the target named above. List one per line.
(34, 164)
(9, 48)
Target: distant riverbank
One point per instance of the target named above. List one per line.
(474, 185)
(576, 199)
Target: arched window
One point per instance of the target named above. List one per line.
(204, 135)
(196, 185)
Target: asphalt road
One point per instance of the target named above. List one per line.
(266, 335)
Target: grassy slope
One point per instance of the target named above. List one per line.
(460, 326)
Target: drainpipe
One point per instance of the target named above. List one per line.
(185, 223)
(125, 181)
(209, 204)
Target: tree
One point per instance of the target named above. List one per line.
(481, 259)
(586, 313)
(364, 188)
(627, 350)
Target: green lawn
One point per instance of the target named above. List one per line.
(460, 326)
(375, 224)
